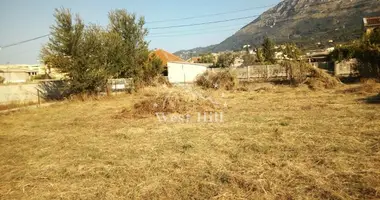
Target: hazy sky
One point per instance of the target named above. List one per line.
(25, 19)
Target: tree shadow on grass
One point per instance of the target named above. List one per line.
(53, 90)
(372, 99)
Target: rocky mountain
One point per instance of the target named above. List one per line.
(308, 23)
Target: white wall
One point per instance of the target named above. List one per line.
(184, 72)
(18, 93)
(15, 77)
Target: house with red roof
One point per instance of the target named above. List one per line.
(179, 71)
(371, 23)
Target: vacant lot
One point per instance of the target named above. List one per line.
(280, 143)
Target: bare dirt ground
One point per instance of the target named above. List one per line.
(275, 143)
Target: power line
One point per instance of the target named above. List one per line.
(203, 23)
(192, 30)
(197, 33)
(209, 15)
(155, 28)
(25, 41)
(183, 25)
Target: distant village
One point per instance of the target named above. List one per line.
(179, 70)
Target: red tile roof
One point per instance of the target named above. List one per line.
(167, 57)
(372, 21)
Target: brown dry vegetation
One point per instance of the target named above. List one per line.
(173, 100)
(282, 143)
(16, 104)
(224, 79)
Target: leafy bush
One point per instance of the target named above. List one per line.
(207, 58)
(225, 60)
(366, 51)
(217, 80)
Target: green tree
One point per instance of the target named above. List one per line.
(89, 55)
(225, 60)
(248, 59)
(70, 50)
(268, 50)
(152, 68)
(207, 58)
(292, 51)
(260, 55)
(133, 48)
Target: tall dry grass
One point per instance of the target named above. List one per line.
(287, 143)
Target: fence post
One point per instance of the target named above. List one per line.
(39, 98)
(248, 73)
(336, 69)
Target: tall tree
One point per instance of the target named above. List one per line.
(292, 51)
(260, 55)
(269, 50)
(134, 48)
(89, 55)
(72, 50)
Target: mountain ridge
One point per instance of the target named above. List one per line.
(304, 22)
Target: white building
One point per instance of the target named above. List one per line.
(17, 73)
(184, 72)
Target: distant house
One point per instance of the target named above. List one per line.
(371, 23)
(13, 74)
(194, 60)
(185, 72)
(166, 57)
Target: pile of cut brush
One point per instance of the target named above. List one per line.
(173, 100)
(224, 79)
(303, 73)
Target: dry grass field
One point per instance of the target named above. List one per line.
(274, 143)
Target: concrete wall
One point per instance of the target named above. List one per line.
(345, 68)
(15, 77)
(259, 71)
(184, 72)
(18, 93)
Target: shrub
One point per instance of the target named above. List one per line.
(225, 60)
(366, 51)
(218, 80)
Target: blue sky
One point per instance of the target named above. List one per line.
(25, 19)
